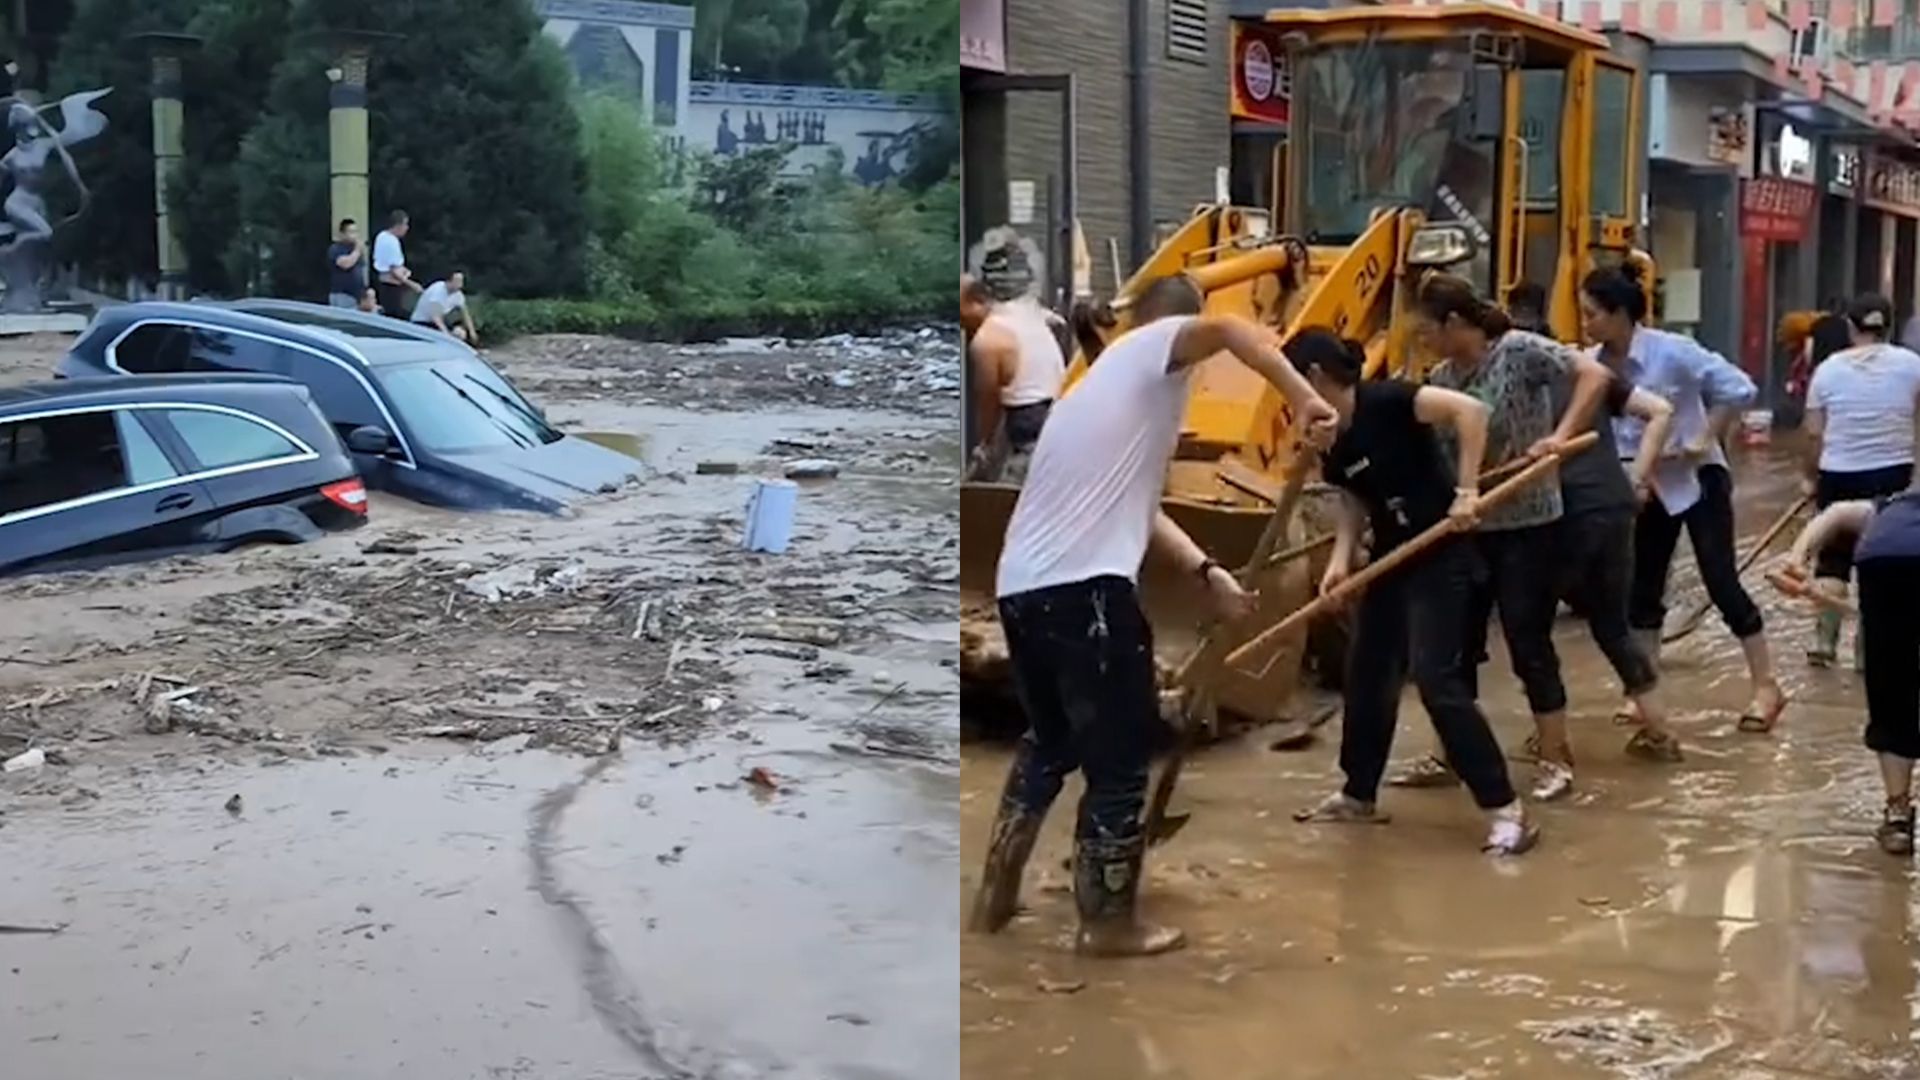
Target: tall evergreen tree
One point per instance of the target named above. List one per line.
(472, 134)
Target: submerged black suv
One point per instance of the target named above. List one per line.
(423, 415)
(94, 471)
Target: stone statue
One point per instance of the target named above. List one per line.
(26, 237)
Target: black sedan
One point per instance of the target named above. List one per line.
(95, 471)
(423, 415)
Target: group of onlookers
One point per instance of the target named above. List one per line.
(393, 290)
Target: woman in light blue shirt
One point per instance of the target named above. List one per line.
(1692, 486)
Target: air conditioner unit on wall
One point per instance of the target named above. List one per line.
(1812, 46)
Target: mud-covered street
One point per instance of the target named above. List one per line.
(1730, 917)
(496, 795)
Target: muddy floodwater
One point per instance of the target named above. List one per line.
(495, 795)
(1730, 917)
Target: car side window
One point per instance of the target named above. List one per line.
(154, 349)
(146, 462)
(217, 440)
(237, 352)
(340, 396)
(58, 458)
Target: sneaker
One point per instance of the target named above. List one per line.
(1510, 831)
(1428, 772)
(1551, 781)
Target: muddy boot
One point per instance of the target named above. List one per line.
(1826, 640)
(1106, 884)
(1014, 831)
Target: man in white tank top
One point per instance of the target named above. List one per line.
(1080, 646)
(1017, 369)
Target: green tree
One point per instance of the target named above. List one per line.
(758, 37)
(472, 134)
(899, 45)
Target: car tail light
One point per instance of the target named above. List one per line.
(348, 495)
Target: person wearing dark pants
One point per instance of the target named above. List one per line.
(1394, 480)
(1859, 421)
(1081, 652)
(1515, 374)
(1692, 486)
(1887, 556)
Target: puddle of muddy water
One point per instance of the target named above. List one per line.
(377, 918)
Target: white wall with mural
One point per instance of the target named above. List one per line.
(875, 131)
(645, 50)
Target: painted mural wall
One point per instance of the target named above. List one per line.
(875, 132)
(643, 50)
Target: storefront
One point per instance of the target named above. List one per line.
(1892, 192)
(1699, 150)
(1774, 220)
(1260, 98)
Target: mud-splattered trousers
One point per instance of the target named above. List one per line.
(1415, 622)
(1890, 637)
(1709, 524)
(1083, 665)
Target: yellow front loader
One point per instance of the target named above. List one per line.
(1473, 138)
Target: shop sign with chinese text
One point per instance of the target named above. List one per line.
(1262, 80)
(1774, 208)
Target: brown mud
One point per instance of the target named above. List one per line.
(1730, 917)
(731, 867)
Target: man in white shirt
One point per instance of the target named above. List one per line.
(443, 300)
(1017, 369)
(392, 279)
(1078, 640)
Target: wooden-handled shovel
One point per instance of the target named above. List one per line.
(1392, 560)
(1196, 674)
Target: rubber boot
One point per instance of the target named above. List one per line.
(1106, 885)
(1014, 831)
(1826, 639)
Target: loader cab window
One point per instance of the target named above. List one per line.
(1391, 125)
(1612, 127)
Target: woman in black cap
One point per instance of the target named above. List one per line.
(1859, 422)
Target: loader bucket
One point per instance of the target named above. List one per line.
(1259, 692)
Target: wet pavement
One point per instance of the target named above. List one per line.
(1730, 917)
(756, 880)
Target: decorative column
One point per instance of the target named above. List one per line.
(347, 140)
(166, 53)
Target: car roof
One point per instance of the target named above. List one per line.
(123, 389)
(372, 340)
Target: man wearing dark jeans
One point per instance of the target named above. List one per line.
(1080, 647)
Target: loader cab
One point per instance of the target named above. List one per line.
(1515, 136)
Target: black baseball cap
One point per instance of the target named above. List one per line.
(1871, 312)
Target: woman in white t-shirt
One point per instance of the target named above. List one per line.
(1861, 407)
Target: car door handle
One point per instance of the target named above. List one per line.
(179, 500)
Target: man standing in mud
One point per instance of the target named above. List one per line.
(1080, 646)
(1017, 368)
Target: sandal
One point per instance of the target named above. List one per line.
(1341, 809)
(1627, 713)
(1512, 833)
(1428, 772)
(1762, 723)
(1657, 746)
(1552, 780)
(1895, 833)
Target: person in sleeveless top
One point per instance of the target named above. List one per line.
(1887, 558)
(1079, 643)
(1859, 421)
(1396, 484)
(1017, 368)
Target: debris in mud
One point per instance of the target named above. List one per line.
(855, 1019)
(717, 468)
(521, 581)
(822, 632)
(671, 857)
(15, 928)
(31, 759)
(233, 804)
(1061, 986)
(389, 547)
(760, 778)
(812, 469)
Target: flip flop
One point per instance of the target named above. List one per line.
(1627, 713)
(1649, 745)
(1337, 809)
(1758, 724)
(1428, 772)
(1514, 841)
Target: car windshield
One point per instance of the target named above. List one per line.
(459, 403)
(1386, 128)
